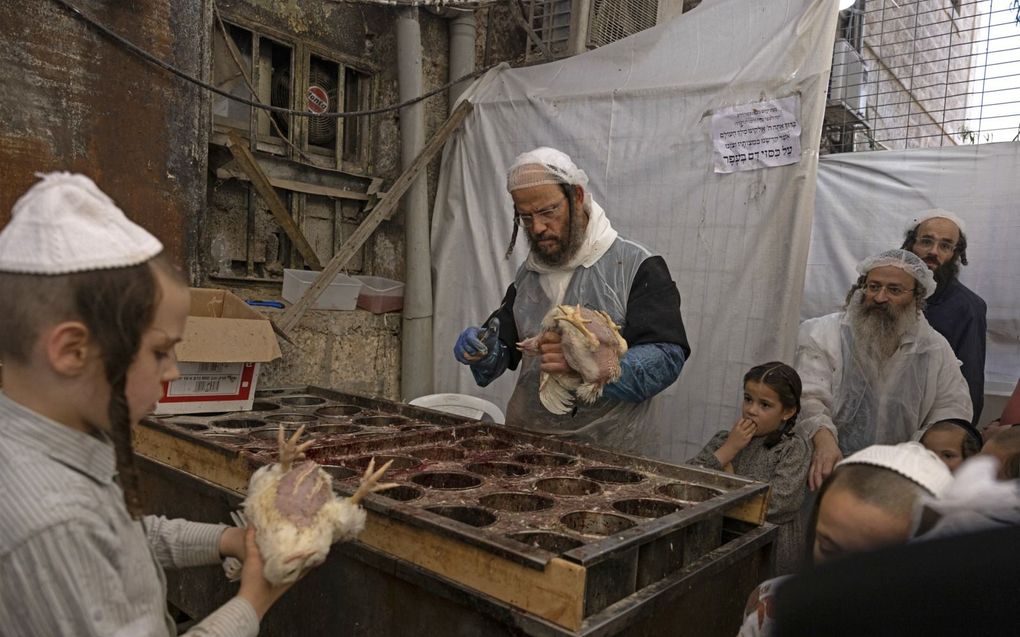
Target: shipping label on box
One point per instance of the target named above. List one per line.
(210, 387)
(225, 341)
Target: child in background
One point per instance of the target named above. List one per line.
(867, 502)
(87, 335)
(952, 442)
(1006, 447)
(762, 445)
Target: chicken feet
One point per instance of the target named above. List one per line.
(370, 482)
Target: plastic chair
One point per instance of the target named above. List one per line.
(461, 405)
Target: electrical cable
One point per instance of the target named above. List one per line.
(148, 57)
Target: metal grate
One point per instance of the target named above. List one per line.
(551, 23)
(912, 74)
(612, 20)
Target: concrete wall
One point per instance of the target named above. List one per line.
(350, 351)
(919, 57)
(72, 100)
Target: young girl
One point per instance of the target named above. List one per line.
(951, 442)
(762, 445)
(86, 338)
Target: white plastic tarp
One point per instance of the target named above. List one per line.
(866, 200)
(636, 116)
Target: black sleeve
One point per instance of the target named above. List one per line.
(507, 326)
(653, 308)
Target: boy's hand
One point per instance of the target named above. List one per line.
(232, 543)
(255, 588)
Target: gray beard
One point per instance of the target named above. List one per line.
(877, 331)
(568, 247)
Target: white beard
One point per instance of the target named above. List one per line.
(877, 334)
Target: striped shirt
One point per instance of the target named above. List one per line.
(72, 561)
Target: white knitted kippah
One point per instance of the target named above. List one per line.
(935, 213)
(65, 224)
(910, 460)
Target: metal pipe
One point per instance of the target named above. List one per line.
(416, 332)
(462, 52)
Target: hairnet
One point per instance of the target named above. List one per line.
(934, 213)
(904, 260)
(541, 166)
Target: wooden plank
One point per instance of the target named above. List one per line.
(555, 594)
(226, 469)
(752, 510)
(382, 211)
(229, 172)
(247, 162)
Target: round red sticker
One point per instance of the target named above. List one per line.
(318, 100)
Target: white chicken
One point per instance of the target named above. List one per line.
(297, 516)
(592, 347)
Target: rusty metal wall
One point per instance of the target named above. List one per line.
(74, 100)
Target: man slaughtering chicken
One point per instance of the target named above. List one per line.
(579, 276)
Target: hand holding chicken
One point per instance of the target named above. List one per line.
(297, 516)
(591, 346)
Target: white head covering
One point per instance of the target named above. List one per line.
(65, 224)
(934, 213)
(909, 459)
(904, 260)
(544, 165)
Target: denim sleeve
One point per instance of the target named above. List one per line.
(647, 369)
(492, 366)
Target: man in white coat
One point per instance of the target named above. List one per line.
(876, 372)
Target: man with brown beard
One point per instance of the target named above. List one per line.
(577, 258)
(954, 310)
(876, 372)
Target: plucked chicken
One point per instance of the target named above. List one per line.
(297, 516)
(592, 346)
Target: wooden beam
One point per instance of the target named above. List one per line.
(247, 162)
(230, 171)
(382, 211)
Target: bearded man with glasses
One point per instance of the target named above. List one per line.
(577, 258)
(876, 372)
(955, 311)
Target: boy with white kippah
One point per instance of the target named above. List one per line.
(876, 372)
(87, 339)
(868, 502)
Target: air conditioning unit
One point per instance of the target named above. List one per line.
(569, 27)
(849, 88)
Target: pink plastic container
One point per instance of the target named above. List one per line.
(380, 295)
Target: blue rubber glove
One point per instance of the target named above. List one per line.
(476, 343)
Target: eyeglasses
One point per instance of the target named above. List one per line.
(892, 289)
(943, 246)
(544, 215)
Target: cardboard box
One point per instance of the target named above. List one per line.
(225, 342)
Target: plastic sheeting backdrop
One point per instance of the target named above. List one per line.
(866, 200)
(636, 116)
